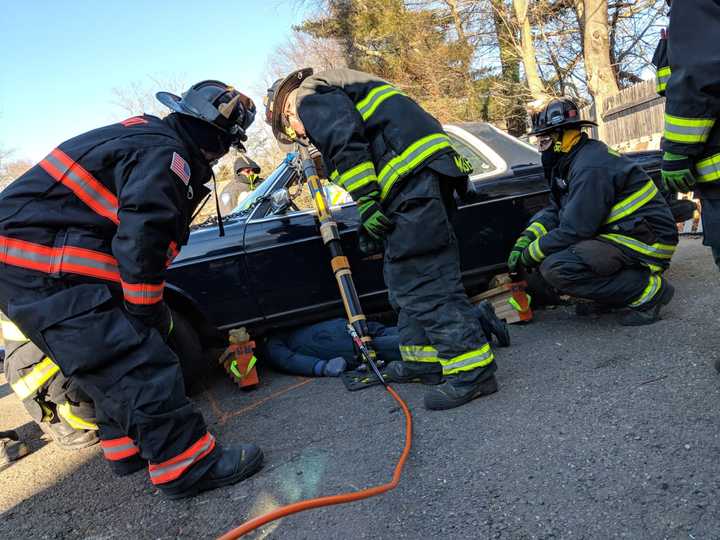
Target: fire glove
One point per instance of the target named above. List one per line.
(367, 244)
(677, 175)
(374, 221)
(526, 259)
(517, 250)
(158, 316)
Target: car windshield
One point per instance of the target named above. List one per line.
(256, 195)
(515, 152)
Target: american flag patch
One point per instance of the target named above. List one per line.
(180, 167)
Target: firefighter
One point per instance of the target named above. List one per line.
(85, 237)
(61, 409)
(400, 168)
(246, 179)
(688, 75)
(608, 234)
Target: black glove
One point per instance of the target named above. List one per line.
(158, 316)
(367, 244)
(374, 221)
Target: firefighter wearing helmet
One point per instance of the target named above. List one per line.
(401, 170)
(85, 238)
(608, 234)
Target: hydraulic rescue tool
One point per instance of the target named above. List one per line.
(358, 330)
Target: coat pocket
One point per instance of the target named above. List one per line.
(421, 228)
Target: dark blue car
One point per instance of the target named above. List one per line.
(271, 268)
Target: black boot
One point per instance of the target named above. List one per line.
(236, 463)
(491, 325)
(591, 309)
(69, 438)
(408, 372)
(11, 447)
(128, 466)
(649, 312)
(454, 392)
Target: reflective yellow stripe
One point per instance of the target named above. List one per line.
(375, 97)
(709, 169)
(11, 332)
(39, 375)
(663, 77)
(658, 251)
(419, 353)
(632, 203)
(413, 155)
(537, 228)
(687, 130)
(355, 178)
(650, 291)
(65, 411)
(655, 269)
(535, 251)
(470, 360)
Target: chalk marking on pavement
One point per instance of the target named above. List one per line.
(224, 416)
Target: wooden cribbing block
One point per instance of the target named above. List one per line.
(510, 301)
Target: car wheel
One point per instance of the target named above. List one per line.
(185, 342)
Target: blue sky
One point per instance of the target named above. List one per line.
(62, 60)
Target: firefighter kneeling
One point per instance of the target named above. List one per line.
(85, 238)
(608, 234)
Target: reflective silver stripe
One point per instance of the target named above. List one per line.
(651, 289)
(160, 471)
(471, 360)
(660, 251)
(375, 97)
(98, 197)
(632, 203)
(112, 450)
(687, 130)
(71, 258)
(29, 384)
(413, 156)
(709, 169)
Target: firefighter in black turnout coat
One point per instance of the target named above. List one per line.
(688, 75)
(85, 238)
(608, 234)
(400, 168)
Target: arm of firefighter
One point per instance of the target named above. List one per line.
(149, 212)
(283, 358)
(589, 201)
(335, 127)
(693, 91)
(544, 221)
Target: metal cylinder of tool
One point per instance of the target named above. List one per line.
(340, 263)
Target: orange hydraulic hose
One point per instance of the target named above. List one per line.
(341, 498)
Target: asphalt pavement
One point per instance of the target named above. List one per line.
(598, 431)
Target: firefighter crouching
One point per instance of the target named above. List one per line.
(688, 75)
(85, 238)
(608, 234)
(61, 409)
(398, 165)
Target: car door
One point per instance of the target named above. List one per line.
(488, 223)
(290, 267)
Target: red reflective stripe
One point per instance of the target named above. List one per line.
(172, 252)
(143, 293)
(172, 469)
(120, 448)
(62, 259)
(134, 121)
(99, 198)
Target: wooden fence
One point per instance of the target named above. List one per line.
(630, 120)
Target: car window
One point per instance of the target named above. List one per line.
(300, 195)
(480, 163)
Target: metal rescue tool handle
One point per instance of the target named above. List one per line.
(340, 264)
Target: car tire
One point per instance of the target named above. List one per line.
(185, 342)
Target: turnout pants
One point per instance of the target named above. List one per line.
(44, 391)
(436, 321)
(124, 367)
(602, 272)
(710, 209)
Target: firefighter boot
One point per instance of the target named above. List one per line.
(127, 466)
(236, 463)
(650, 312)
(400, 371)
(11, 447)
(69, 438)
(458, 390)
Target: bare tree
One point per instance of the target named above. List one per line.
(527, 51)
(138, 97)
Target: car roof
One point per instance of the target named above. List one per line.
(515, 152)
